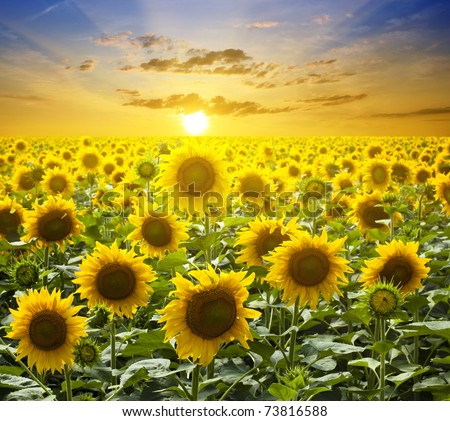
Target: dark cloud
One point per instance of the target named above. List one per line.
(296, 81)
(334, 99)
(321, 63)
(421, 112)
(225, 62)
(190, 103)
(132, 92)
(87, 65)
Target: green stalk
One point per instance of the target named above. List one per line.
(29, 372)
(208, 251)
(67, 373)
(210, 370)
(113, 351)
(392, 233)
(293, 340)
(195, 382)
(237, 382)
(382, 328)
(47, 266)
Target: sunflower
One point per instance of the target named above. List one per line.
(11, 218)
(398, 263)
(401, 172)
(306, 266)
(193, 173)
(47, 328)
(57, 181)
(422, 174)
(115, 278)
(53, 222)
(342, 182)
(442, 184)
(90, 160)
(377, 175)
(22, 179)
(206, 315)
(368, 209)
(261, 237)
(157, 233)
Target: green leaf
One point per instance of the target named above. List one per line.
(15, 382)
(146, 344)
(440, 328)
(29, 394)
(445, 360)
(8, 369)
(282, 392)
(172, 260)
(366, 362)
(333, 378)
(233, 221)
(144, 369)
(335, 347)
(325, 364)
(382, 347)
(403, 377)
(262, 349)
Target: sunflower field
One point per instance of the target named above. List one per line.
(225, 269)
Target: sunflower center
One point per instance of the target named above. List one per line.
(422, 176)
(90, 160)
(26, 182)
(308, 267)
(109, 168)
(398, 270)
(373, 213)
(146, 170)
(54, 226)
(9, 222)
(399, 172)
(115, 282)
(48, 330)
(446, 193)
(211, 313)
(196, 175)
(346, 183)
(252, 186)
(269, 241)
(379, 175)
(157, 232)
(58, 183)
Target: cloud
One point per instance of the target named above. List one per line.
(87, 65)
(334, 99)
(321, 20)
(190, 103)
(146, 41)
(132, 92)
(20, 97)
(262, 25)
(296, 81)
(113, 40)
(421, 112)
(321, 63)
(224, 62)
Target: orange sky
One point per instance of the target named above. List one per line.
(135, 68)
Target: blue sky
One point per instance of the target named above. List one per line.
(288, 67)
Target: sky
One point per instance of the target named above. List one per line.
(254, 67)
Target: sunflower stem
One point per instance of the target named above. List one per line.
(113, 351)
(47, 266)
(29, 372)
(247, 373)
(195, 382)
(208, 250)
(210, 370)
(67, 373)
(392, 232)
(293, 340)
(382, 331)
(416, 345)
(282, 324)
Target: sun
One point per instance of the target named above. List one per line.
(195, 123)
